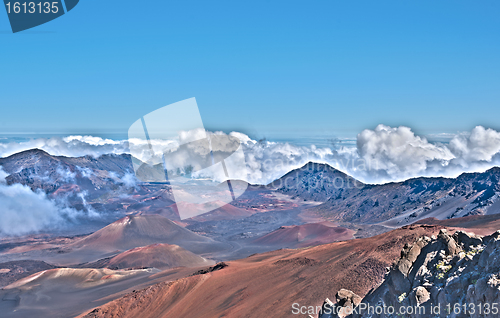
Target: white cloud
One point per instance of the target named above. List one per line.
(480, 145)
(66, 174)
(3, 175)
(399, 152)
(266, 161)
(129, 180)
(380, 155)
(72, 146)
(23, 211)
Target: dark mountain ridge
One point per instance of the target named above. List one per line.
(107, 182)
(392, 204)
(343, 197)
(316, 182)
(39, 170)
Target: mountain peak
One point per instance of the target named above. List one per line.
(494, 170)
(30, 152)
(317, 166)
(315, 181)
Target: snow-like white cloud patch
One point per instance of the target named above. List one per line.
(23, 211)
(380, 155)
(480, 145)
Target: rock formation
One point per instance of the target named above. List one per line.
(445, 276)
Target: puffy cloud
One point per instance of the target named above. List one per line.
(129, 180)
(3, 175)
(86, 172)
(23, 211)
(480, 145)
(266, 161)
(399, 152)
(66, 174)
(380, 155)
(71, 146)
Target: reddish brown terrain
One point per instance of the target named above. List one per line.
(269, 283)
(478, 224)
(131, 232)
(160, 256)
(136, 231)
(66, 292)
(159, 264)
(306, 235)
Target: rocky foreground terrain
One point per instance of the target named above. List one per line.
(445, 276)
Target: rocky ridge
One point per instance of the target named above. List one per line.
(457, 272)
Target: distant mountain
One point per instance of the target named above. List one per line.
(316, 182)
(159, 256)
(107, 183)
(392, 204)
(136, 231)
(39, 170)
(104, 183)
(402, 203)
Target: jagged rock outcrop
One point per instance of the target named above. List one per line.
(346, 302)
(460, 270)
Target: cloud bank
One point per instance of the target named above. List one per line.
(23, 211)
(383, 154)
(71, 146)
(399, 154)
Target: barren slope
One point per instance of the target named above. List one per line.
(136, 231)
(270, 283)
(478, 224)
(160, 256)
(305, 235)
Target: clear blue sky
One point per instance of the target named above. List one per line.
(256, 66)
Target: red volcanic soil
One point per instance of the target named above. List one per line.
(161, 256)
(268, 284)
(66, 188)
(67, 292)
(135, 231)
(479, 224)
(306, 235)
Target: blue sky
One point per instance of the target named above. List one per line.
(266, 68)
